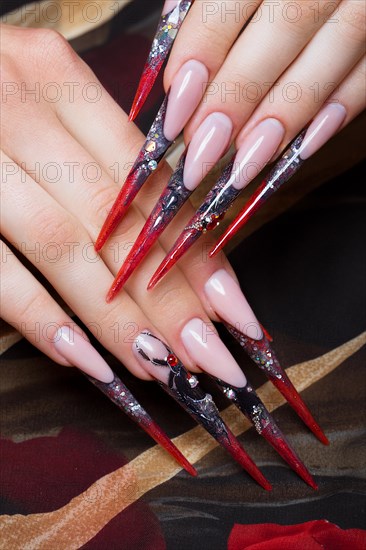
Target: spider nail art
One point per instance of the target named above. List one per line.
(166, 33)
(159, 361)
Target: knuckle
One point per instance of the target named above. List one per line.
(50, 226)
(51, 51)
(352, 19)
(109, 315)
(168, 300)
(29, 305)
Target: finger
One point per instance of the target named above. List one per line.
(59, 247)
(209, 31)
(28, 307)
(266, 48)
(314, 75)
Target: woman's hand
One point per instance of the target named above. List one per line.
(288, 61)
(65, 145)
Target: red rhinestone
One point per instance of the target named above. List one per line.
(213, 223)
(172, 360)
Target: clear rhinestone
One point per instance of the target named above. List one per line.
(153, 165)
(193, 381)
(229, 393)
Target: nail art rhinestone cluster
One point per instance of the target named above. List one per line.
(166, 33)
(260, 351)
(217, 202)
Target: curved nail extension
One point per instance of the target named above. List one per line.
(251, 158)
(208, 352)
(207, 145)
(79, 352)
(178, 106)
(159, 361)
(261, 352)
(174, 13)
(308, 142)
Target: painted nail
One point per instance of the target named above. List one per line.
(173, 15)
(263, 355)
(79, 352)
(255, 151)
(206, 349)
(228, 301)
(186, 92)
(208, 144)
(161, 362)
(308, 142)
(187, 89)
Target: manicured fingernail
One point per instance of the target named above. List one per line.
(186, 92)
(228, 301)
(256, 151)
(209, 353)
(208, 144)
(80, 353)
(323, 127)
(169, 6)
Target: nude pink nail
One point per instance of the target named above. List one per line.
(205, 348)
(79, 352)
(208, 144)
(186, 92)
(228, 301)
(169, 6)
(256, 151)
(323, 127)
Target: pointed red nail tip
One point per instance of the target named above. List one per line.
(184, 242)
(164, 441)
(294, 399)
(232, 445)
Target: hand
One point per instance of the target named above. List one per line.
(63, 138)
(288, 61)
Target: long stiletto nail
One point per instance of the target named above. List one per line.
(206, 349)
(308, 142)
(177, 108)
(159, 361)
(79, 352)
(173, 15)
(251, 158)
(208, 144)
(228, 301)
(263, 355)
